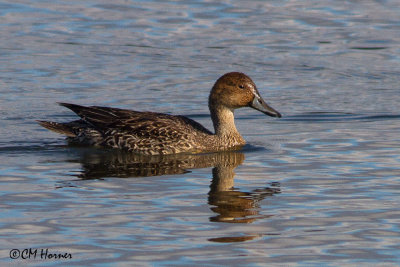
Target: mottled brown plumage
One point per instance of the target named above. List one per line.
(151, 133)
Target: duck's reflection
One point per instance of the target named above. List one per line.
(230, 204)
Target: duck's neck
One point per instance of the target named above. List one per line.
(224, 125)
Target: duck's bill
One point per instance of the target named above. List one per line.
(259, 104)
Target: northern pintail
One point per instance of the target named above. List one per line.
(152, 133)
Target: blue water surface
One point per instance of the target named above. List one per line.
(318, 187)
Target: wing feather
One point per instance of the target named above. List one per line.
(141, 126)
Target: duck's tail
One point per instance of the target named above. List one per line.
(61, 128)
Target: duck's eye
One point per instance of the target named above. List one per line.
(241, 86)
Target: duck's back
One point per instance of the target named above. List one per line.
(140, 132)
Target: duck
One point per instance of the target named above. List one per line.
(152, 133)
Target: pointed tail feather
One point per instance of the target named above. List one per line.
(94, 115)
(60, 128)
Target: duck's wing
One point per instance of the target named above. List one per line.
(100, 116)
(105, 118)
(133, 129)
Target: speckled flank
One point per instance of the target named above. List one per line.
(151, 133)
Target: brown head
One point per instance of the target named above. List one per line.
(235, 90)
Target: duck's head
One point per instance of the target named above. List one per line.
(235, 90)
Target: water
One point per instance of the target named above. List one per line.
(318, 187)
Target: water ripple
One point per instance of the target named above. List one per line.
(318, 187)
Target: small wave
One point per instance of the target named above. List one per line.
(253, 148)
(338, 117)
(23, 147)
